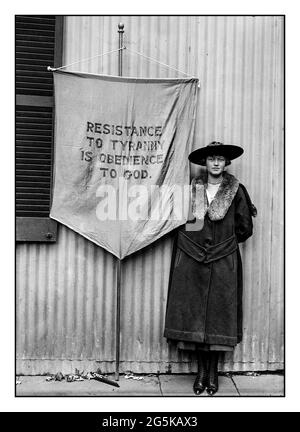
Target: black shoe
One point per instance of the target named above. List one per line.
(212, 380)
(199, 384)
(201, 378)
(212, 386)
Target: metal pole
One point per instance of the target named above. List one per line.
(119, 268)
(121, 34)
(118, 319)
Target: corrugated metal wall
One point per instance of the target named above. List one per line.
(66, 291)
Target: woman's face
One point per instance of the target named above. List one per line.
(215, 165)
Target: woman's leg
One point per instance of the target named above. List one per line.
(201, 378)
(212, 381)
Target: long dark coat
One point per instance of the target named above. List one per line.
(205, 288)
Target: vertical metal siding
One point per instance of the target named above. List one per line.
(65, 305)
(66, 291)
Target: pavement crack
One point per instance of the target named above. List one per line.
(159, 383)
(231, 377)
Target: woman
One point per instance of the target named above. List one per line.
(204, 309)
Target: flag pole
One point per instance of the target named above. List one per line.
(118, 308)
(118, 319)
(121, 36)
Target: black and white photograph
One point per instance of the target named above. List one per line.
(149, 206)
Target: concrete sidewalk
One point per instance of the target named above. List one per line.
(153, 385)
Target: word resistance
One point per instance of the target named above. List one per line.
(133, 130)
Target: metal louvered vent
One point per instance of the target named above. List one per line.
(33, 160)
(35, 43)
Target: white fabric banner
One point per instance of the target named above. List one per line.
(121, 172)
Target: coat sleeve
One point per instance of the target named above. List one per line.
(243, 217)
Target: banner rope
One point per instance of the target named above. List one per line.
(49, 68)
(159, 62)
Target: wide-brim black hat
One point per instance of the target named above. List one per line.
(215, 149)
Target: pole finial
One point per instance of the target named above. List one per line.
(121, 28)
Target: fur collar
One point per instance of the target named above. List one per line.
(221, 202)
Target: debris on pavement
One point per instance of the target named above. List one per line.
(132, 376)
(72, 377)
(102, 378)
(81, 376)
(18, 381)
(252, 374)
(50, 378)
(89, 376)
(58, 377)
